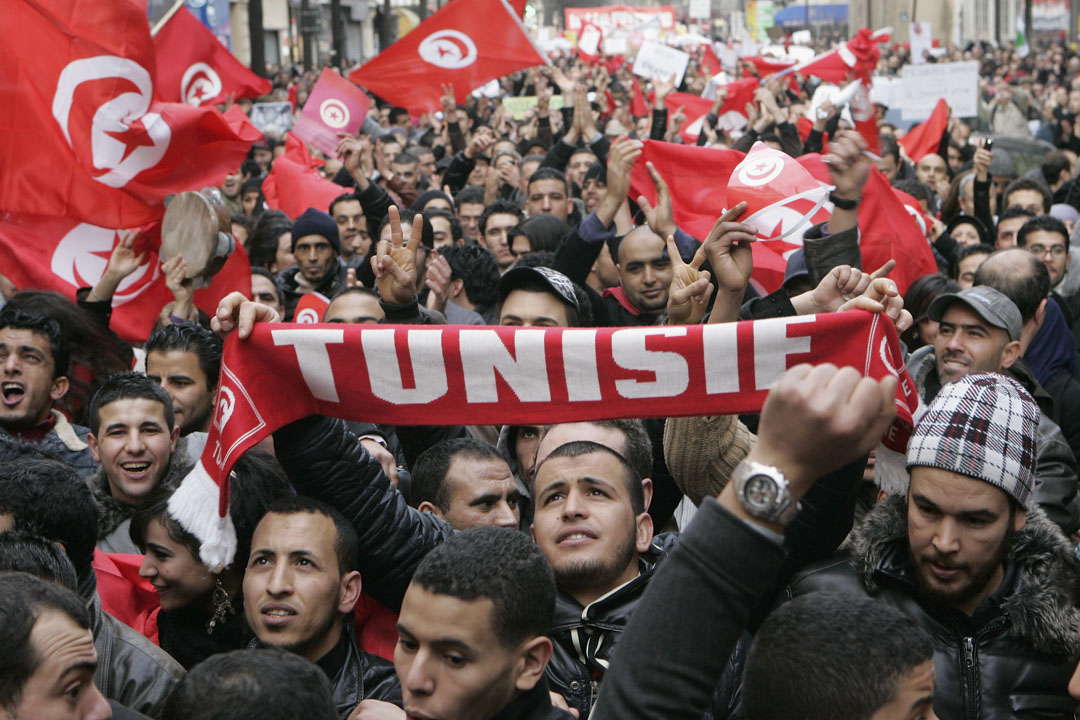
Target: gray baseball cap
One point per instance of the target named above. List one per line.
(989, 304)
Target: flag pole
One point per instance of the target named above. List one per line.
(166, 17)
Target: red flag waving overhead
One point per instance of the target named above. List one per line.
(888, 230)
(709, 62)
(334, 105)
(82, 133)
(857, 57)
(731, 114)
(58, 254)
(193, 67)
(925, 137)
(293, 184)
(464, 43)
(638, 107)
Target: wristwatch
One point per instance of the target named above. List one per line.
(763, 492)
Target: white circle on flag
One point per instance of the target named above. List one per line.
(334, 113)
(125, 138)
(80, 259)
(761, 172)
(448, 49)
(307, 316)
(199, 84)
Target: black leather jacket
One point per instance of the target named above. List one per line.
(131, 670)
(1013, 658)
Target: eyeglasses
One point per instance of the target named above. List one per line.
(1055, 250)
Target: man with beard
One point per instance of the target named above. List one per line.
(352, 228)
(316, 246)
(979, 330)
(971, 559)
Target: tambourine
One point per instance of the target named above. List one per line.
(197, 225)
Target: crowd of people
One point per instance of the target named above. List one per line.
(777, 565)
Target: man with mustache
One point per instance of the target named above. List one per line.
(968, 555)
(979, 331)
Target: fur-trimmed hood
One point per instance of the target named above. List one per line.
(113, 511)
(1040, 606)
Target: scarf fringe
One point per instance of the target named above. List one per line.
(195, 506)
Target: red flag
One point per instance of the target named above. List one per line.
(765, 66)
(731, 114)
(888, 230)
(48, 253)
(519, 7)
(709, 62)
(857, 57)
(466, 44)
(891, 225)
(194, 67)
(83, 134)
(334, 105)
(311, 308)
(924, 138)
(804, 125)
(293, 184)
(638, 107)
(862, 112)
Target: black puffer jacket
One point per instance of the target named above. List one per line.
(1014, 657)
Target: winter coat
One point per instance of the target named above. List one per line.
(1015, 655)
(65, 441)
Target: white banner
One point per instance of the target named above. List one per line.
(658, 62)
(922, 41)
(700, 9)
(923, 85)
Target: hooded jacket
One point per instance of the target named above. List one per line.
(293, 286)
(1015, 655)
(1055, 464)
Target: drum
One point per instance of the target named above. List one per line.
(197, 225)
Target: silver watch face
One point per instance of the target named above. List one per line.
(760, 492)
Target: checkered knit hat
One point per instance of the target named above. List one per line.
(984, 426)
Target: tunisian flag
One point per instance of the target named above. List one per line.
(293, 184)
(83, 135)
(193, 67)
(731, 114)
(858, 57)
(464, 43)
(925, 138)
(49, 253)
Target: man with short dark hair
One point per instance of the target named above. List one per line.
(548, 192)
(496, 222)
(1029, 193)
(807, 652)
(300, 585)
(446, 229)
(470, 295)
(1047, 239)
(353, 231)
(47, 667)
(467, 483)
(469, 205)
(355, 305)
(970, 558)
(33, 375)
(1009, 224)
(266, 291)
(134, 436)
(267, 684)
(484, 601)
(316, 246)
(185, 359)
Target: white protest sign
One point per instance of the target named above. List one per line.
(617, 45)
(589, 42)
(923, 85)
(886, 91)
(658, 62)
(922, 41)
(700, 9)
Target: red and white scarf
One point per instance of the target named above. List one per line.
(449, 375)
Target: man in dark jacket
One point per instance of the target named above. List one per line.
(300, 585)
(971, 559)
(319, 267)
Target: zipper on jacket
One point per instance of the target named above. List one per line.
(970, 677)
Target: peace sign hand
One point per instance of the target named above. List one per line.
(690, 290)
(394, 263)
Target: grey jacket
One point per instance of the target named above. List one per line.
(66, 441)
(131, 670)
(1055, 464)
